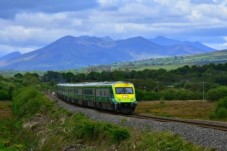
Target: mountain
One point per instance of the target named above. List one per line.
(8, 57)
(165, 41)
(176, 43)
(75, 52)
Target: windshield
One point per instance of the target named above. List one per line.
(124, 91)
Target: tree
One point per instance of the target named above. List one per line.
(18, 76)
(4, 95)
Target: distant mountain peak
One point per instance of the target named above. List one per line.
(161, 37)
(106, 38)
(10, 56)
(161, 40)
(67, 37)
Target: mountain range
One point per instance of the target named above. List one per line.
(71, 52)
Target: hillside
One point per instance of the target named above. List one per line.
(175, 62)
(75, 52)
(9, 57)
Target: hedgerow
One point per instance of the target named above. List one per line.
(28, 101)
(216, 93)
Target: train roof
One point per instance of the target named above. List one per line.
(90, 84)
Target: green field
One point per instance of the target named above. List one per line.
(170, 63)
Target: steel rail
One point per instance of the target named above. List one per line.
(197, 123)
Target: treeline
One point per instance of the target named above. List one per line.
(206, 73)
(188, 82)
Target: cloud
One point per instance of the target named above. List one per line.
(8, 9)
(27, 23)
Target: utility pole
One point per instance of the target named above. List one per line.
(203, 91)
(158, 86)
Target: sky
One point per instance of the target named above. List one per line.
(26, 25)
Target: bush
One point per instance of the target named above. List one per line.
(221, 109)
(4, 95)
(145, 95)
(165, 141)
(29, 101)
(216, 94)
(178, 94)
(86, 129)
(14, 138)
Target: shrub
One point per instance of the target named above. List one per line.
(221, 109)
(13, 137)
(145, 95)
(29, 101)
(4, 95)
(165, 141)
(216, 94)
(178, 94)
(86, 129)
(221, 113)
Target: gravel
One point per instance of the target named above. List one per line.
(201, 136)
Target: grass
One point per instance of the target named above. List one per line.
(156, 67)
(5, 109)
(181, 109)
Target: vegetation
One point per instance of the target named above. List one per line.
(5, 109)
(185, 83)
(4, 95)
(217, 93)
(221, 109)
(39, 124)
(28, 101)
(32, 122)
(168, 63)
(180, 109)
(164, 141)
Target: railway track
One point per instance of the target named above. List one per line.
(204, 124)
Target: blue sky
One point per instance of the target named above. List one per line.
(27, 25)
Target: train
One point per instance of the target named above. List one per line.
(118, 96)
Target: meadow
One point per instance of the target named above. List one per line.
(191, 109)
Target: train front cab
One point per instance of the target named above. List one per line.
(124, 97)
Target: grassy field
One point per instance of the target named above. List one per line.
(170, 63)
(156, 67)
(5, 109)
(181, 109)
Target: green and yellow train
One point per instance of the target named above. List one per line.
(114, 96)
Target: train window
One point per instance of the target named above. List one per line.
(120, 90)
(102, 92)
(97, 92)
(106, 92)
(128, 91)
(71, 90)
(79, 91)
(76, 91)
(124, 90)
(88, 91)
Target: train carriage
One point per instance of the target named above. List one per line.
(115, 96)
